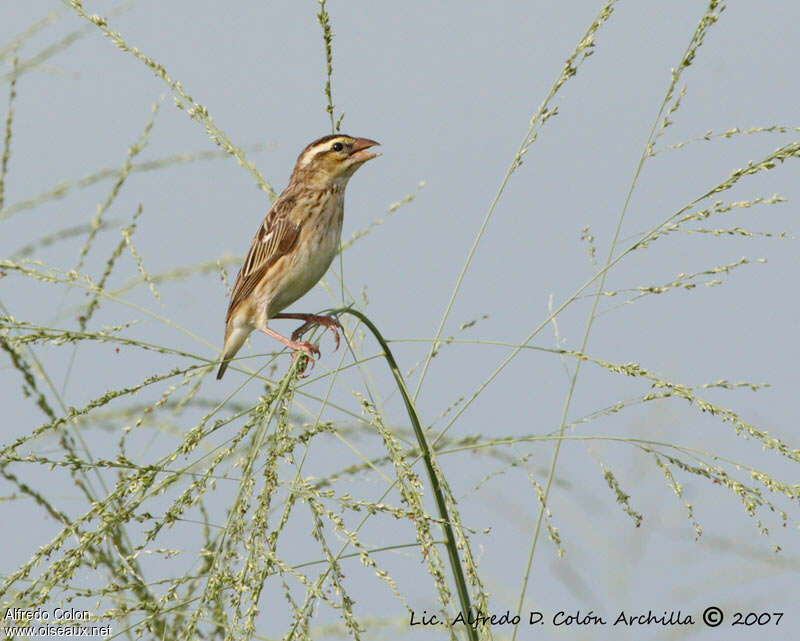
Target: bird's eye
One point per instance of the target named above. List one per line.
(337, 146)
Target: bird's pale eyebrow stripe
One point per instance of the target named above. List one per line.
(309, 155)
(319, 148)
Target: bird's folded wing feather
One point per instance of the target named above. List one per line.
(273, 239)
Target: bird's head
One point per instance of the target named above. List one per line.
(332, 159)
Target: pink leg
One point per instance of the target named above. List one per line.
(313, 319)
(296, 346)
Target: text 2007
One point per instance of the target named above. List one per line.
(756, 618)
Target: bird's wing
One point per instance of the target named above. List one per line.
(273, 239)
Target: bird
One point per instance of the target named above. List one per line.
(294, 246)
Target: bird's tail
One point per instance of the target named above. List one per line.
(234, 339)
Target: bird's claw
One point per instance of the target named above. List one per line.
(335, 324)
(309, 351)
(328, 322)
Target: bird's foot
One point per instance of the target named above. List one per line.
(328, 322)
(306, 349)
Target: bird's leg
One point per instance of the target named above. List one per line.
(296, 346)
(300, 346)
(329, 322)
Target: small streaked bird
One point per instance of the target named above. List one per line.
(295, 245)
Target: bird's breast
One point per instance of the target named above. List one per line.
(317, 243)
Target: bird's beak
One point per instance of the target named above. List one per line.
(359, 153)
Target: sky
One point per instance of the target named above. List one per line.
(449, 90)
